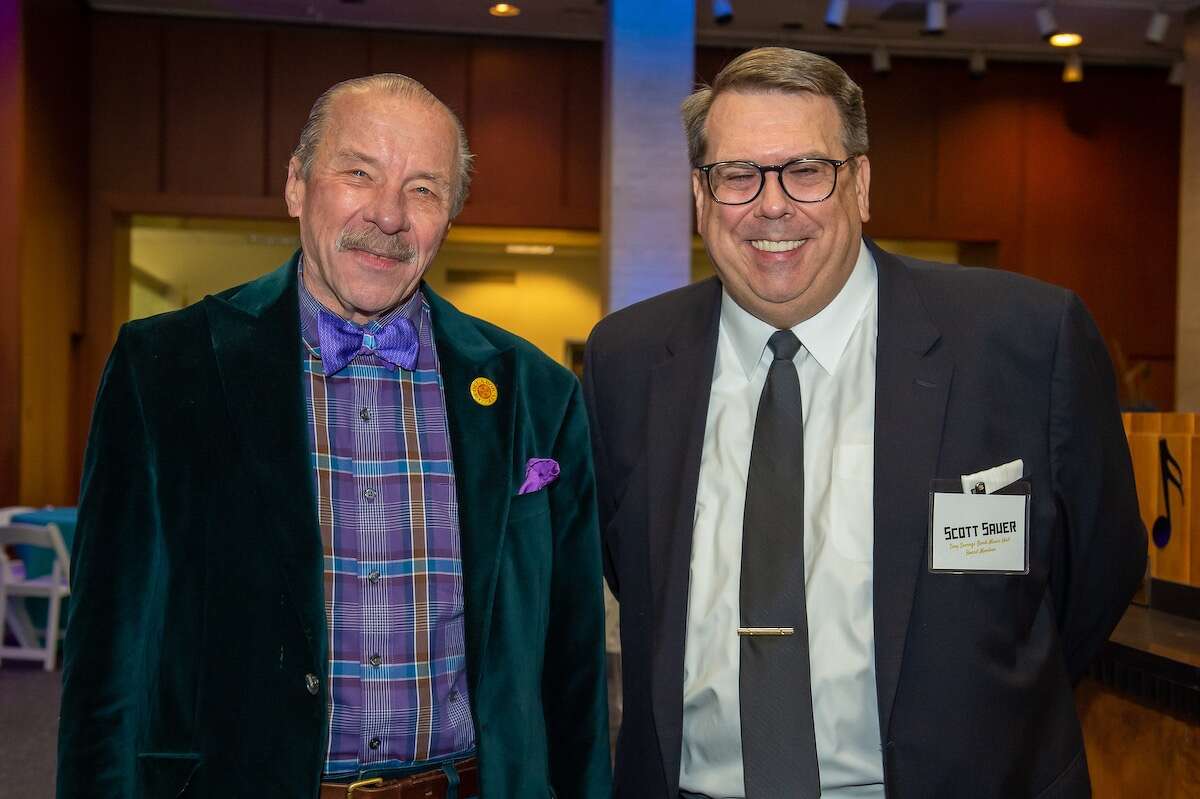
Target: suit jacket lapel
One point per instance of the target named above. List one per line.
(912, 383)
(481, 440)
(679, 391)
(256, 341)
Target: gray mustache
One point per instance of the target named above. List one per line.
(377, 243)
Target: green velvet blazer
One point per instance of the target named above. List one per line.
(195, 657)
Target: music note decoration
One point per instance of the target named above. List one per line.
(1172, 474)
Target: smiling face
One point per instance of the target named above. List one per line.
(375, 206)
(781, 260)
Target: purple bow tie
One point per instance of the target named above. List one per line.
(341, 340)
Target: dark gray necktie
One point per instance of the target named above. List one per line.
(779, 750)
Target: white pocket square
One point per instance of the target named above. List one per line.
(992, 480)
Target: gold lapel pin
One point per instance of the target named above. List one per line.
(484, 391)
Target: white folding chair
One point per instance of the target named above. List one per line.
(52, 587)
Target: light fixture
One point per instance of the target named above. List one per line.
(1156, 31)
(1178, 73)
(1065, 39)
(529, 249)
(935, 17)
(835, 14)
(1073, 69)
(1046, 23)
(977, 64)
(722, 12)
(881, 61)
(504, 10)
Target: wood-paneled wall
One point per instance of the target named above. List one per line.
(12, 132)
(1077, 184)
(52, 244)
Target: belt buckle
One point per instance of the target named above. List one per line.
(354, 786)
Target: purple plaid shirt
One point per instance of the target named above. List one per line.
(393, 568)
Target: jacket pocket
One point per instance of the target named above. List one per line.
(167, 775)
(527, 506)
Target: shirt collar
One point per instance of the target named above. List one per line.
(309, 307)
(824, 335)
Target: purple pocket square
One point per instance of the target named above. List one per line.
(539, 473)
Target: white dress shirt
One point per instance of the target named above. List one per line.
(836, 365)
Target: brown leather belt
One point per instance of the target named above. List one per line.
(431, 784)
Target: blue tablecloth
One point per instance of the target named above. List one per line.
(39, 561)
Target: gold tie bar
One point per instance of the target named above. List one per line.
(766, 630)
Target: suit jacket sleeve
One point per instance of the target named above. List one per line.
(575, 694)
(1103, 553)
(112, 575)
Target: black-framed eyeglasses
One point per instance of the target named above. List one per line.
(805, 180)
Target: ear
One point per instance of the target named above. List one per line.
(293, 190)
(862, 187)
(699, 195)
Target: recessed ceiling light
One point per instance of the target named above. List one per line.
(1066, 40)
(504, 10)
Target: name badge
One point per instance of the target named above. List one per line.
(979, 533)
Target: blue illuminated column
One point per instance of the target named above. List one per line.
(649, 70)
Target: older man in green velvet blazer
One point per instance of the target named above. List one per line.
(332, 530)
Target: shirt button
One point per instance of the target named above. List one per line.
(370, 494)
(374, 576)
(312, 683)
(375, 660)
(374, 743)
(365, 415)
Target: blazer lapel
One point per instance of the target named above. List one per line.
(912, 383)
(679, 391)
(256, 341)
(481, 440)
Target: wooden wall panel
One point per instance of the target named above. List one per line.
(52, 244)
(12, 132)
(978, 176)
(1099, 217)
(215, 106)
(304, 62)
(902, 124)
(126, 104)
(584, 129)
(439, 62)
(516, 126)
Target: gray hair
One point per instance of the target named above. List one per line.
(399, 86)
(779, 69)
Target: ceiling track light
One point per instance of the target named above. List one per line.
(1047, 25)
(835, 14)
(977, 64)
(1073, 69)
(1178, 74)
(1156, 30)
(722, 11)
(935, 17)
(881, 60)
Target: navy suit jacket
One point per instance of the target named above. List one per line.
(975, 367)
